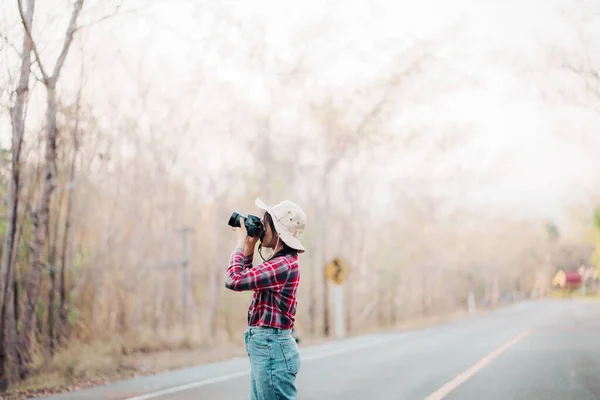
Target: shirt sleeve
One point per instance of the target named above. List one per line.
(269, 275)
(248, 261)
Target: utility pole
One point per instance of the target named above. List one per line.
(471, 295)
(186, 274)
(184, 263)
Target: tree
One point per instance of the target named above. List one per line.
(40, 216)
(594, 238)
(8, 332)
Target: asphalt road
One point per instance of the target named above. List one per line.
(547, 349)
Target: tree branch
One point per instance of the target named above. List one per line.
(591, 80)
(5, 38)
(116, 13)
(30, 37)
(585, 69)
(68, 39)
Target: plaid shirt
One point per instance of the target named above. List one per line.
(274, 282)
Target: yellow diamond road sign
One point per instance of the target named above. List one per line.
(336, 271)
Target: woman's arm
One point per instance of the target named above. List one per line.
(270, 275)
(248, 255)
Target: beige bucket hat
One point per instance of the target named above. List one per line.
(289, 220)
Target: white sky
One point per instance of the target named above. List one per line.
(495, 59)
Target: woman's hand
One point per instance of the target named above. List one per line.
(243, 240)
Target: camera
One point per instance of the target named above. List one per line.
(252, 222)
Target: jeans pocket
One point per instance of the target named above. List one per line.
(260, 341)
(291, 355)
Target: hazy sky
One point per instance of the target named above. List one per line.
(494, 62)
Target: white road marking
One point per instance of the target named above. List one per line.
(464, 376)
(189, 386)
(234, 375)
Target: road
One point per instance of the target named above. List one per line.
(547, 349)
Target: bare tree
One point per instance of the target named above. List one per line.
(8, 328)
(40, 216)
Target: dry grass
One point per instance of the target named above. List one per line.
(576, 294)
(80, 364)
(76, 364)
(150, 342)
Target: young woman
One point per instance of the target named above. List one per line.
(271, 348)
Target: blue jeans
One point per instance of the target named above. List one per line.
(274, 363)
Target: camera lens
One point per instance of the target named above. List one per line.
(234, 220)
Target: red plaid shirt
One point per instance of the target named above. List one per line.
(275, 283)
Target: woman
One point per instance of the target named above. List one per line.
(271, 348)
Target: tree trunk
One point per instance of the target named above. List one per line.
(324, 213)
(354, 251)
(495, 291)
(314, 275)
(215, 274)
(393, 287)
(40, 220)
(326, 327)
(312, 292)
(424, 306)
(52, 291)
(380, 296)
(66, 235)
(398, 290)
(63, 330)
(51, 301)
(7, 309)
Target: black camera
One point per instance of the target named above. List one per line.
(253, 224)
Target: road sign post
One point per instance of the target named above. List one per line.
(339, 311)
(336, 272)
(471, 296)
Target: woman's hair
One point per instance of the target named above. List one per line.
(285, 249)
